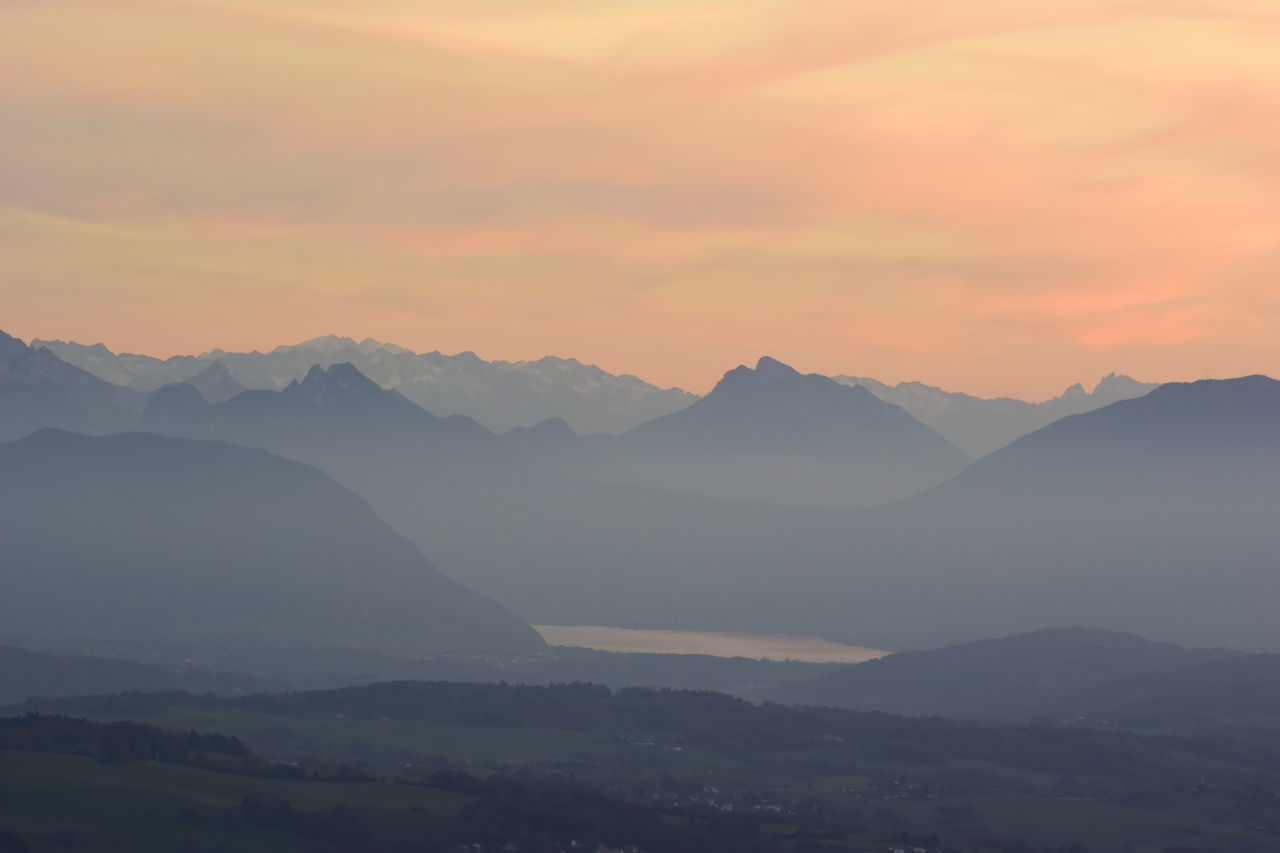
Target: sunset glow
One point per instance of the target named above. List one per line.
(996, 197)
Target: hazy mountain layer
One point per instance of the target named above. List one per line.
(526, 516)
(980, 425)
(137, 538)
(215, 383)
(1155, 515)
(499, 394)
(38, 389)
(775, 435)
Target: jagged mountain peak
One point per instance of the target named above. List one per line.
(769, 366)
(766, 370)
(1118, 383)
(1075, 390)
(12, 348)
(773, 383)
(39, 389)
(772, 433)
(216, 370)
(341, 378)
(499, 394)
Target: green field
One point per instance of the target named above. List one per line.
(381, 741)
(712, 773)
(151, 806)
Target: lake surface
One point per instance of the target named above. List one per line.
(761, 646)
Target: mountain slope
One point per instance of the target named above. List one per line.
(142, 539)
(215, 383)
(1155, 515)
(775, 435)
(499, 394)
(38, 390)
(980, 425)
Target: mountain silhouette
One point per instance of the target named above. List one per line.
(329, 412)
(1155, 514)
(499, 394)
(773, 434)
(215, 383)
(136, 538)
(38, 390)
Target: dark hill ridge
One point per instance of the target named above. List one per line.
(1053, 673)
(1182, 430)
(38, 389)
(1236, 689)
(138, 538)
(775, 435)
(1156, 514)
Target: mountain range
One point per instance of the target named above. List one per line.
(714, 518)
(333, 410)
(503, 395)
(1164, 496)
(499, 394)
(568, 530)
(980, 425)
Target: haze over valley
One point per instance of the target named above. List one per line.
(779, 503)
(787, 537)
(677, 426)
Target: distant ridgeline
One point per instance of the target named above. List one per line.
(1149, 514)
(499, 394)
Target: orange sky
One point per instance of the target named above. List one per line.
(994, 196)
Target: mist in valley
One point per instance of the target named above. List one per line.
(671, 427)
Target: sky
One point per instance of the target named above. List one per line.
(995, 196)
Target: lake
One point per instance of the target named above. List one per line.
(761, 646)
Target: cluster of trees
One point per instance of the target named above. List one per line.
(820, 741)
(112, 742)
(896, 758)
